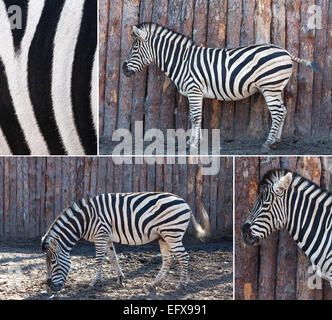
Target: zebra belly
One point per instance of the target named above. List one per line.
(134, 241)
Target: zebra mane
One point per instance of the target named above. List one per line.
(156, 28)
(275, 174)
(55, 222)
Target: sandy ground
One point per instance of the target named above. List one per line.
(291, 145)
(23, 272)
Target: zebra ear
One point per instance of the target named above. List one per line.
(53, 244)
(283, 183)
(140, 34)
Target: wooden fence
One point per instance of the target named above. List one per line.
(278, 268)
(35, 190)
(150, 97)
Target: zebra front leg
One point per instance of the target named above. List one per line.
(100, 246)
(195, 104)
(112, 257)
(167, 259)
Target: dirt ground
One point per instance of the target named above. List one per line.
(23, 273)
(291, 145)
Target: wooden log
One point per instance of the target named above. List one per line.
(58, 207)
(310, 168)
(86, 178)
(101, 175)
(13, 196)
(104, 7)
(319, 107)
(32, 198)
(113, 67)
(305, 75)
(292, 45)
(49, 196)
(80, 179)
(6, 198)
(72, 180)
(246, 184)
(285, 286)
(65, 196)
(268, 248)
(25, 178)
(93, 177)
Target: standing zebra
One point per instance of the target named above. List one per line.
(223, 74)
(287, 200)
(48, 77)
(127, 218)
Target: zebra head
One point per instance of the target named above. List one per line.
(141, 54)
(269, 213)
(57, 263)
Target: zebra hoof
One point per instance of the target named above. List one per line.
(120, 281)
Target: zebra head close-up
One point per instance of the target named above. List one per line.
(288, 200)
(269, 212)
(141, 54)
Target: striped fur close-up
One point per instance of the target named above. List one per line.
(48, 77)
(126, 218)
(289, 201)
(223, 74)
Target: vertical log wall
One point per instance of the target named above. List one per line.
(35, 190)
(152, 98)
(278, 268)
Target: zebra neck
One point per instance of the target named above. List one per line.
(68, 227)
(170, 52)
(309, 208)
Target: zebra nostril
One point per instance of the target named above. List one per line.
(246, 230)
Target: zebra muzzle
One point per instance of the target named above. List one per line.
(247, 236)
(127, 72)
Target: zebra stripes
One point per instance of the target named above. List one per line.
(127, 218)
(48, 78)
(289, 201)
(223, 74)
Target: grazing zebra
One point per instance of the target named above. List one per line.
(287, 200)
(127, 218)
(224, 74)
(48, 77)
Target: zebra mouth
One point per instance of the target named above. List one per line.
(248, 238)
(54, 286)
(127, 72)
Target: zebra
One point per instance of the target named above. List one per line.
(48, 77)
(224, 74)
(287, 200)
(126, 218)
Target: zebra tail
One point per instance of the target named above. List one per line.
(311, 64)
(201, 233)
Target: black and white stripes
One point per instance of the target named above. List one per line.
(127, 218)
(48, 78)
(289, 201)
(223, 74)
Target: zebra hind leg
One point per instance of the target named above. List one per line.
(112, 258)
(182, 256)
(167, 259)
(278, 114)
(100, 246)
